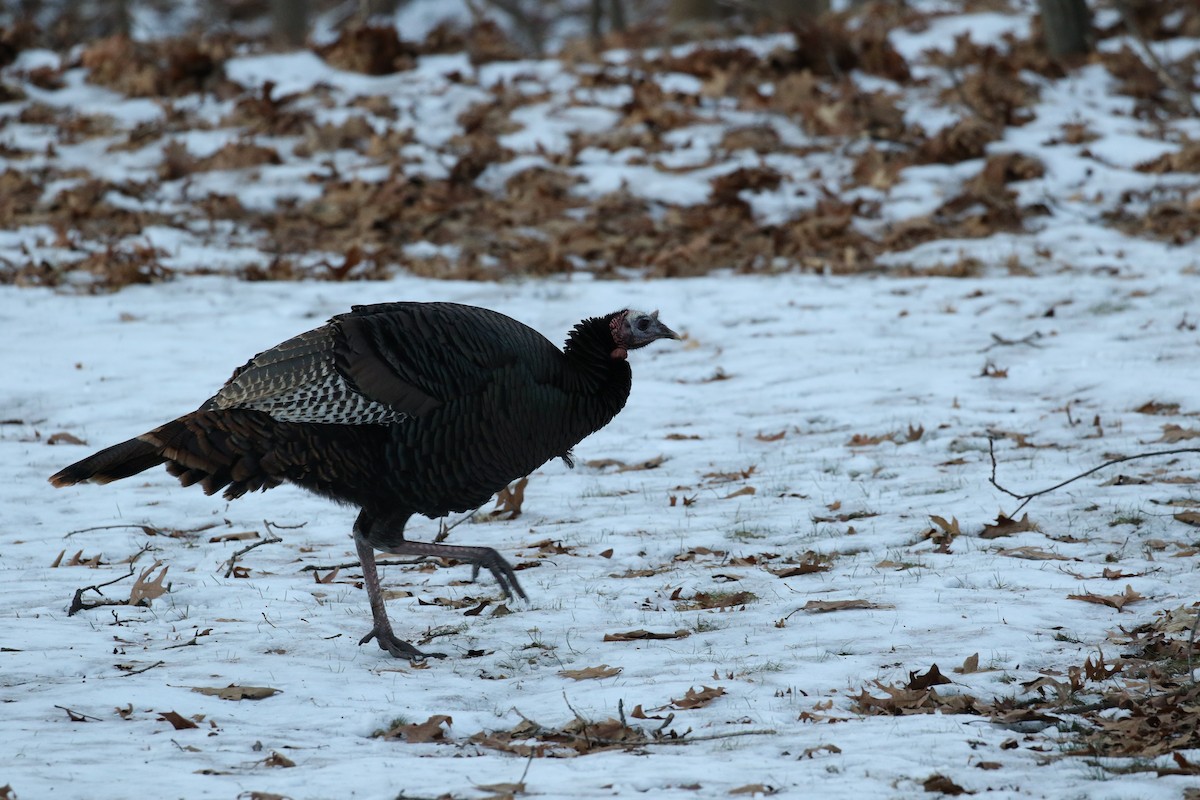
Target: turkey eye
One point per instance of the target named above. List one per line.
(643, 323)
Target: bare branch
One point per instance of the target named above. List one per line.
(1025, 498)
(143, 669)
(1182, 94)
(232, 562)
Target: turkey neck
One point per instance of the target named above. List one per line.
(591, 369)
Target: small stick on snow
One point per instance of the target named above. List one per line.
(143, 669)
(232, 562)
(77, 717)
(1000, 341)
(357, 563)
(77, 603)
(1025, 498)
(444, 529)
(69, 534)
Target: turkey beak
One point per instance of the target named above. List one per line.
(660, 330)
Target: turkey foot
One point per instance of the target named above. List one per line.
(396, 646)
(501, 570)
(478, 557)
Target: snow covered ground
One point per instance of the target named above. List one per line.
(810, 370)
(796, 498)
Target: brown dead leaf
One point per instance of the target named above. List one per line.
(1189, 518)
(771, 437)
(431, 730)
(697, 699)
(178, 722)
(704, 600)
(866, 440)
(1175, 433)
(1003, 526)
(933, 677)
(234, 692)
(62, 437)
(509, 500)
(970, 664)
(234, 537)
(588, 673)
(742, 492)
(1117, 601)
(1155, 407)
(639, 635)
(809, 752)
(944, 533)
(603, 463)
(812, 563)
(635, 573)
(1031, 553)
(824, 606)
(144, 590)
(277, 759)
(990, 370)
(943, 785)
(502, 789)
(730, 477)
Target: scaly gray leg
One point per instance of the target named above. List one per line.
(382, 630)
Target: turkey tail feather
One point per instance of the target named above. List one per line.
(111, 464)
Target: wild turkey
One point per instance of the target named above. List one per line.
(398, 409)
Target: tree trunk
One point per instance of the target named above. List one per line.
(289, 21)
(1066, 27)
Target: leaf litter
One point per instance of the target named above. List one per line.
(98, 228)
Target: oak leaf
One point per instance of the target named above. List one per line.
(640, 635)
(1005, 526)
(235, 692)
(602, 671)
(823, 606)
(178, 721)
(1117, 601)
(698, 699)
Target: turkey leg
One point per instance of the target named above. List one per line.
(367, 541)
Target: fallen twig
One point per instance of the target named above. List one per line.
(268, 525)
(75, 716)
(444, 529)
(143, 528)
(78, 605)
(1000, 341)
(232, 562)
(143, 669)
(357, 563)
(1182, 93)
(1025, 498)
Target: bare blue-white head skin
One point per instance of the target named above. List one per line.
(632, 329)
